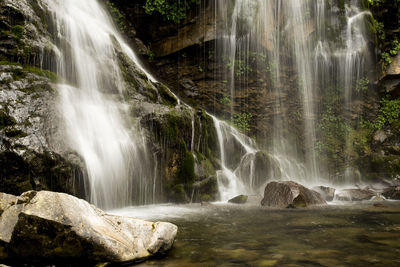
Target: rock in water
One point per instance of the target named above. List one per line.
(328, 193)
(392, 193)
(241, 199)
(53, 226)
(354, 195)
(282, 194)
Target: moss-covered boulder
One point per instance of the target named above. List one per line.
(241, 199)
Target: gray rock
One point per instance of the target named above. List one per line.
(55, 226)
(282, 194)
(394, 67)
(328, 193)
(380, 136)
(354, 195)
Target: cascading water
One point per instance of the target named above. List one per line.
(92, 104)
(308, 46)
(237, 174)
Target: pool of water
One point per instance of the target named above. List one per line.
(364, 234)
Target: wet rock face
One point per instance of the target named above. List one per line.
(283, 194)
(55, 226)
(31, 142)
(33, 154)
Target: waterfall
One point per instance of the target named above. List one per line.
(236, 176)
(302, 48)
(92, 103)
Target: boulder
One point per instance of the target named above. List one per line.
(328, 193)
(392, 193)
(6, 200)
(282, 194)
(49, 226)
(354, 195)
(241, 199)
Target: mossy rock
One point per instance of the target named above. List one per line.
(186, 173)
(177, 194)
(206, 188)
(5, 119)
(241, 199)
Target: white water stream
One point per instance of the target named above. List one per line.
(92, 103)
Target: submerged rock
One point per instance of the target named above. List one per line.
(392, 193)
(55, 226)
(241, 199)
(354, 195)
(328, 193)
(283, 194)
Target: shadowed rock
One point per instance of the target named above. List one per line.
(392, 193)
(55, 226)
(282, 194)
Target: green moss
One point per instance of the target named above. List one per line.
(208, 168)
(5, 119)
(186, 173)
(205, 198)
(242, 121)
(170, 9)
(5, 62)
(117, 16)
(15, 133)
(41, 72)
(177, 193)
(17, 31)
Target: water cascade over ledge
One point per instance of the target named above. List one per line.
(92, 103)
(301, 49)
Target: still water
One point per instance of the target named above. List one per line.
(364, 234)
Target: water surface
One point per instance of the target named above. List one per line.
(233, 235)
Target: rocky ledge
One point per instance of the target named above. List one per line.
(53, 227)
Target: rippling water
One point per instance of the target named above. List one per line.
(230, 235)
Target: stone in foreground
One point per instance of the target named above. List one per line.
(53, 226)
(241, 199)
(283, 194)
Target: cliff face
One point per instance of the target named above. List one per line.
(34, 152)
(30, 135)
(186, 59)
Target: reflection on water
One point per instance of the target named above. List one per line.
(365, 234)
